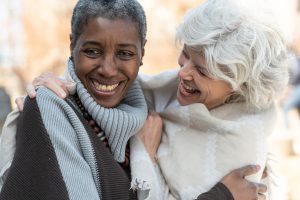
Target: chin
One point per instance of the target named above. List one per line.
(108, 101)
(182, 102)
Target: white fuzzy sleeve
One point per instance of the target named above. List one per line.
(147, 179)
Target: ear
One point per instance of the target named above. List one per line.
(71, 44)
(143, 52)
(143, 48)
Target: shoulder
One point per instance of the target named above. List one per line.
(48, 105)
(158, 80)
(48, 100)
(44, 94)
(159, 89)
(240, 112)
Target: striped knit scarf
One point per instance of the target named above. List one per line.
(118, 123)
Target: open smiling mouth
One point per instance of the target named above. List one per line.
(106, 89)
(188, 90)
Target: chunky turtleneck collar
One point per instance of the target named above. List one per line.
(118, 123)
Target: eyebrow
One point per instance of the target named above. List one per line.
(90, 42)
(128, 45)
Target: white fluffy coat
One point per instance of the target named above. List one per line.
(199, 146)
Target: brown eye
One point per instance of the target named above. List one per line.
(125, 55)
(92, 53)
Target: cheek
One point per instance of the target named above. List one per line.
(223, 89)
(202, 83)
(80, 72)
(79, 69)
(82, 68)
(133, 72)
(131, 69)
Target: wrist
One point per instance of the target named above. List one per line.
(224, 190)
(153, 158)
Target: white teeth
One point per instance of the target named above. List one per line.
(105, 88)
(188, 88)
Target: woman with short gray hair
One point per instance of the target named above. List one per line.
(75, 148)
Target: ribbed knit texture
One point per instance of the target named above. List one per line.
(72, 146)
(35, 173)
(118, 123)
(58, 156)
(115, 184)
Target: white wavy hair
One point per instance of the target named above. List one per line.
(240, 48)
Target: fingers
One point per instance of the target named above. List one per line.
(155, 118)
(153, 113)
(258, 189)
(53, 83)
(70, 86)
(261, 196)
(248, 170)
(30, 91)
(20, 103)
(265, 173)
(262, 188)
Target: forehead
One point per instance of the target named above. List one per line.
(107, 30)
(196, 55)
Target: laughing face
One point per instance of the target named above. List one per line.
(196, 84)
(107, 56)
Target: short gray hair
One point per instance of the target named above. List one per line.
(248, 53)
(109, 9)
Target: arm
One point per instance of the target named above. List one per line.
(48, 164)
(61, 87)
(235, 187)
(218, 192)
(8, 144)
(147, 179)
(151, 133)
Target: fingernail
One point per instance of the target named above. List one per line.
(68, 83)
(32, 94)
(63, 94)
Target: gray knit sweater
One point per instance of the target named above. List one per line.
(119, 123)
(59, 157)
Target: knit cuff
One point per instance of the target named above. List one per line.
(218, 192)
(224, 189)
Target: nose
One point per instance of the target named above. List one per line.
(186, 70)
(108, 67)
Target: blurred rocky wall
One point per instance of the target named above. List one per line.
(5, 106)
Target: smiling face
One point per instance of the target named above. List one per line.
(196, 84)
(107, 56)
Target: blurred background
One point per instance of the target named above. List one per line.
(34, 38)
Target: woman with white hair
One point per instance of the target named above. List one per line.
(217, 110)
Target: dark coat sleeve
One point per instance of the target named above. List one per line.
(218, 192)
(34, 173)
